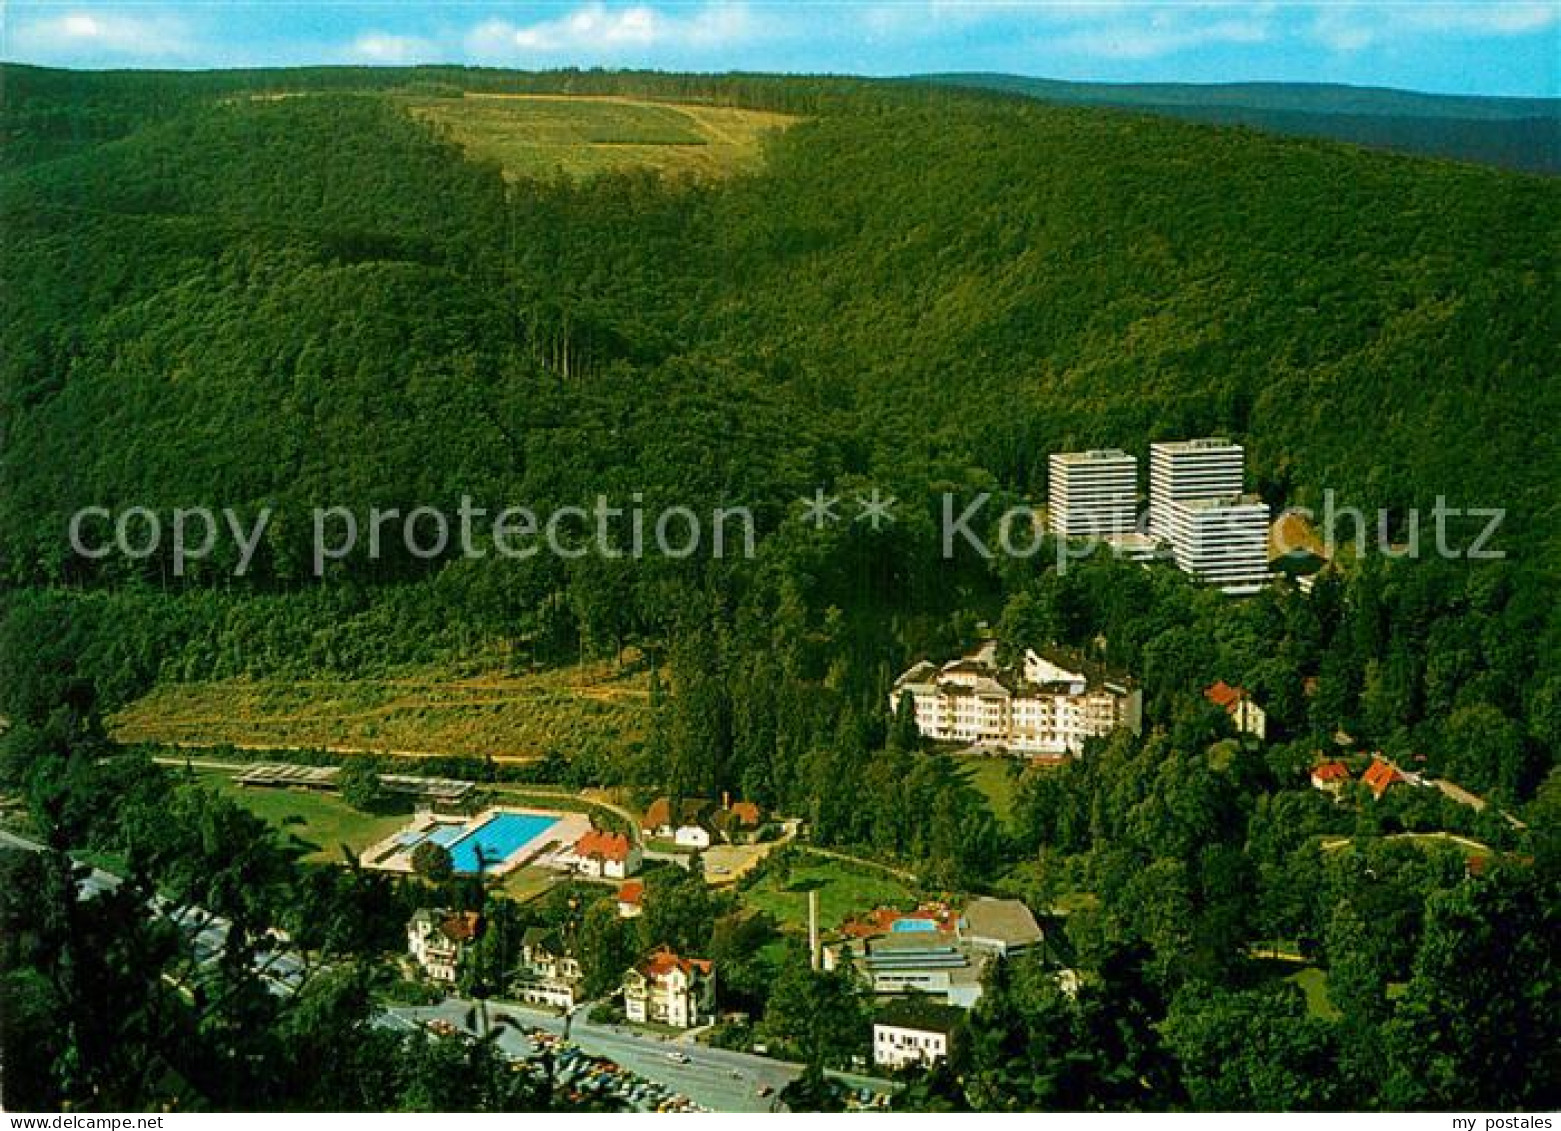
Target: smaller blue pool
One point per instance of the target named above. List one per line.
(913, 925)
(497, 839)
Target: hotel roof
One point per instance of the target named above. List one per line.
(1202, 444)
(1094, 455)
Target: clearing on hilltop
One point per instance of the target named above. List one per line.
(581, 136)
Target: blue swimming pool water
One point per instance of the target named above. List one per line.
(446, 834)
(913, 925)
(498, 838)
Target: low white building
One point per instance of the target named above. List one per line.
(913, 1033)
(667, 989)
(1048, 707)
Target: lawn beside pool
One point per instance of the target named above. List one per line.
(322, 822)
(842, 891)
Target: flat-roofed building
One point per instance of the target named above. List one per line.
(1092, 494)
(1180, 470)
(999, 926)
(1223, 541)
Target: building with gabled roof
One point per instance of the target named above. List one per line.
(1380, 776)
(436, 939)
(668, 989)
(1237, 702)
(631, 899)
(685, 822)
(1047, 705)
(602, 854)
(1330, 776)
(549, 972)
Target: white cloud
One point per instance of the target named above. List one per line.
(1348, 28)
(596, 31)
(77, 34)
(1164, 34)
(391, 50)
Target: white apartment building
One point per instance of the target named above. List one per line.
(1223, 541)
(1208, 468)
(1092, 494)
(1046, 708)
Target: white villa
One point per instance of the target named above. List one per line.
(1048, 707)
(549, 974)
(436, 939)
(670, 990)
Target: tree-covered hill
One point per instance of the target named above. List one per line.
(317, 301)
(1510, 133)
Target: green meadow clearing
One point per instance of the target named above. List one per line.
(576, 136)
(320, 822)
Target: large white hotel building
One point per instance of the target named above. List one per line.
(1216, 533)
(1046, 707)
(1092, 494)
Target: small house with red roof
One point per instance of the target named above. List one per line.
(1330, 776)
(685, 822)
(601, 854)
(668, 989)
(1237, 702)
(1379, 776)
(631, 899)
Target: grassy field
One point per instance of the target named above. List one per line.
(320, 822)
(1314, 984)
(842, 891)
(549, 135)
(994, 778)
(508, 717)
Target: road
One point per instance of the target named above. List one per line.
(717, 1079)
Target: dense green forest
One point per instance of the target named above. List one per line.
(294, 302)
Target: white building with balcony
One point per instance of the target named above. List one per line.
(1047, 707)
(1181, 470)
(1092, 494)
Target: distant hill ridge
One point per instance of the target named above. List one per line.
(1513, 133)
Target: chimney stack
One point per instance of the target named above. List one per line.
(813, 927)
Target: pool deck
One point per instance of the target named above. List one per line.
(393, 854)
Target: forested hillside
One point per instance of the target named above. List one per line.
(316, 300)
(215, 295)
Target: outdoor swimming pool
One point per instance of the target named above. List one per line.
(497, 839)
(913, 925)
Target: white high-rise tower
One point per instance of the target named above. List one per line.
(1217, 534)
(1210, 468)
(1092, 494)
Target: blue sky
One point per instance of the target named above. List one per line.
(1488, 47)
